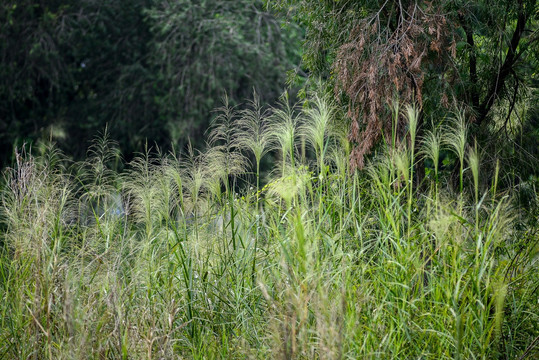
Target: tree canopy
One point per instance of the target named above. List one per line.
(480, 56)
(152, 70)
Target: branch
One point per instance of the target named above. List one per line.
(512, 103)
(529, 349)
(505, 69)
(473, 61)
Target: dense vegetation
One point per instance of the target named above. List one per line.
(168, 260)
(391, 213)
(478, 56)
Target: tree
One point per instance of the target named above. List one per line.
(150, 71)
(203, 48)
(438, 54)
(31, 69)
(70, 67)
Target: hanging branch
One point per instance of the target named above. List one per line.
(380, 63)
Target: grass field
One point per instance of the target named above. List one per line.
(202, 256)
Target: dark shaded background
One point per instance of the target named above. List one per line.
(149, 70)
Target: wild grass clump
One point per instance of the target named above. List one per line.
(202, 255)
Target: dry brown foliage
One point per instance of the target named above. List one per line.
(383, 60)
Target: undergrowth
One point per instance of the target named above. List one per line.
(202, 256)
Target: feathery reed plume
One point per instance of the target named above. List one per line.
(97, 177)
(291, 185)
(35, 199)
(149, 192)
(283, 130)
(101, 155)
(473, 161)
(223, 157)
(194, 180)
(339, 158)
(456, 138)
(317, 126)
(339, 274)
(174, 171)
(402, 163)
(195, 174)
(431, 145)
(252, 133)
(412, 115)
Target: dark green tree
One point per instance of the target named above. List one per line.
(71, 67)
(203, 48)
(150, 70)
(31, 69)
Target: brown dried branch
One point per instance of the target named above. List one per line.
(374, 67)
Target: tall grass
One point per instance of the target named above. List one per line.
(177, 258)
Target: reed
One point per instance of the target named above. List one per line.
(175, 257)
